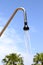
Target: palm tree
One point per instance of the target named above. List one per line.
(38, 59)
(13, 59)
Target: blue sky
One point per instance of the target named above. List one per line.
(14, 32)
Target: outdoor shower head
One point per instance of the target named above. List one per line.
(25, 28)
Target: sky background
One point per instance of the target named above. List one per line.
(12, 39)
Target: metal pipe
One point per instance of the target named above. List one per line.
(25, 20)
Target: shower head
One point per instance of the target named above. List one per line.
(25, 28)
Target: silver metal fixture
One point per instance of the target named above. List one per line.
(25, 28)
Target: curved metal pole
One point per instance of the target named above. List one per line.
(25, 18)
